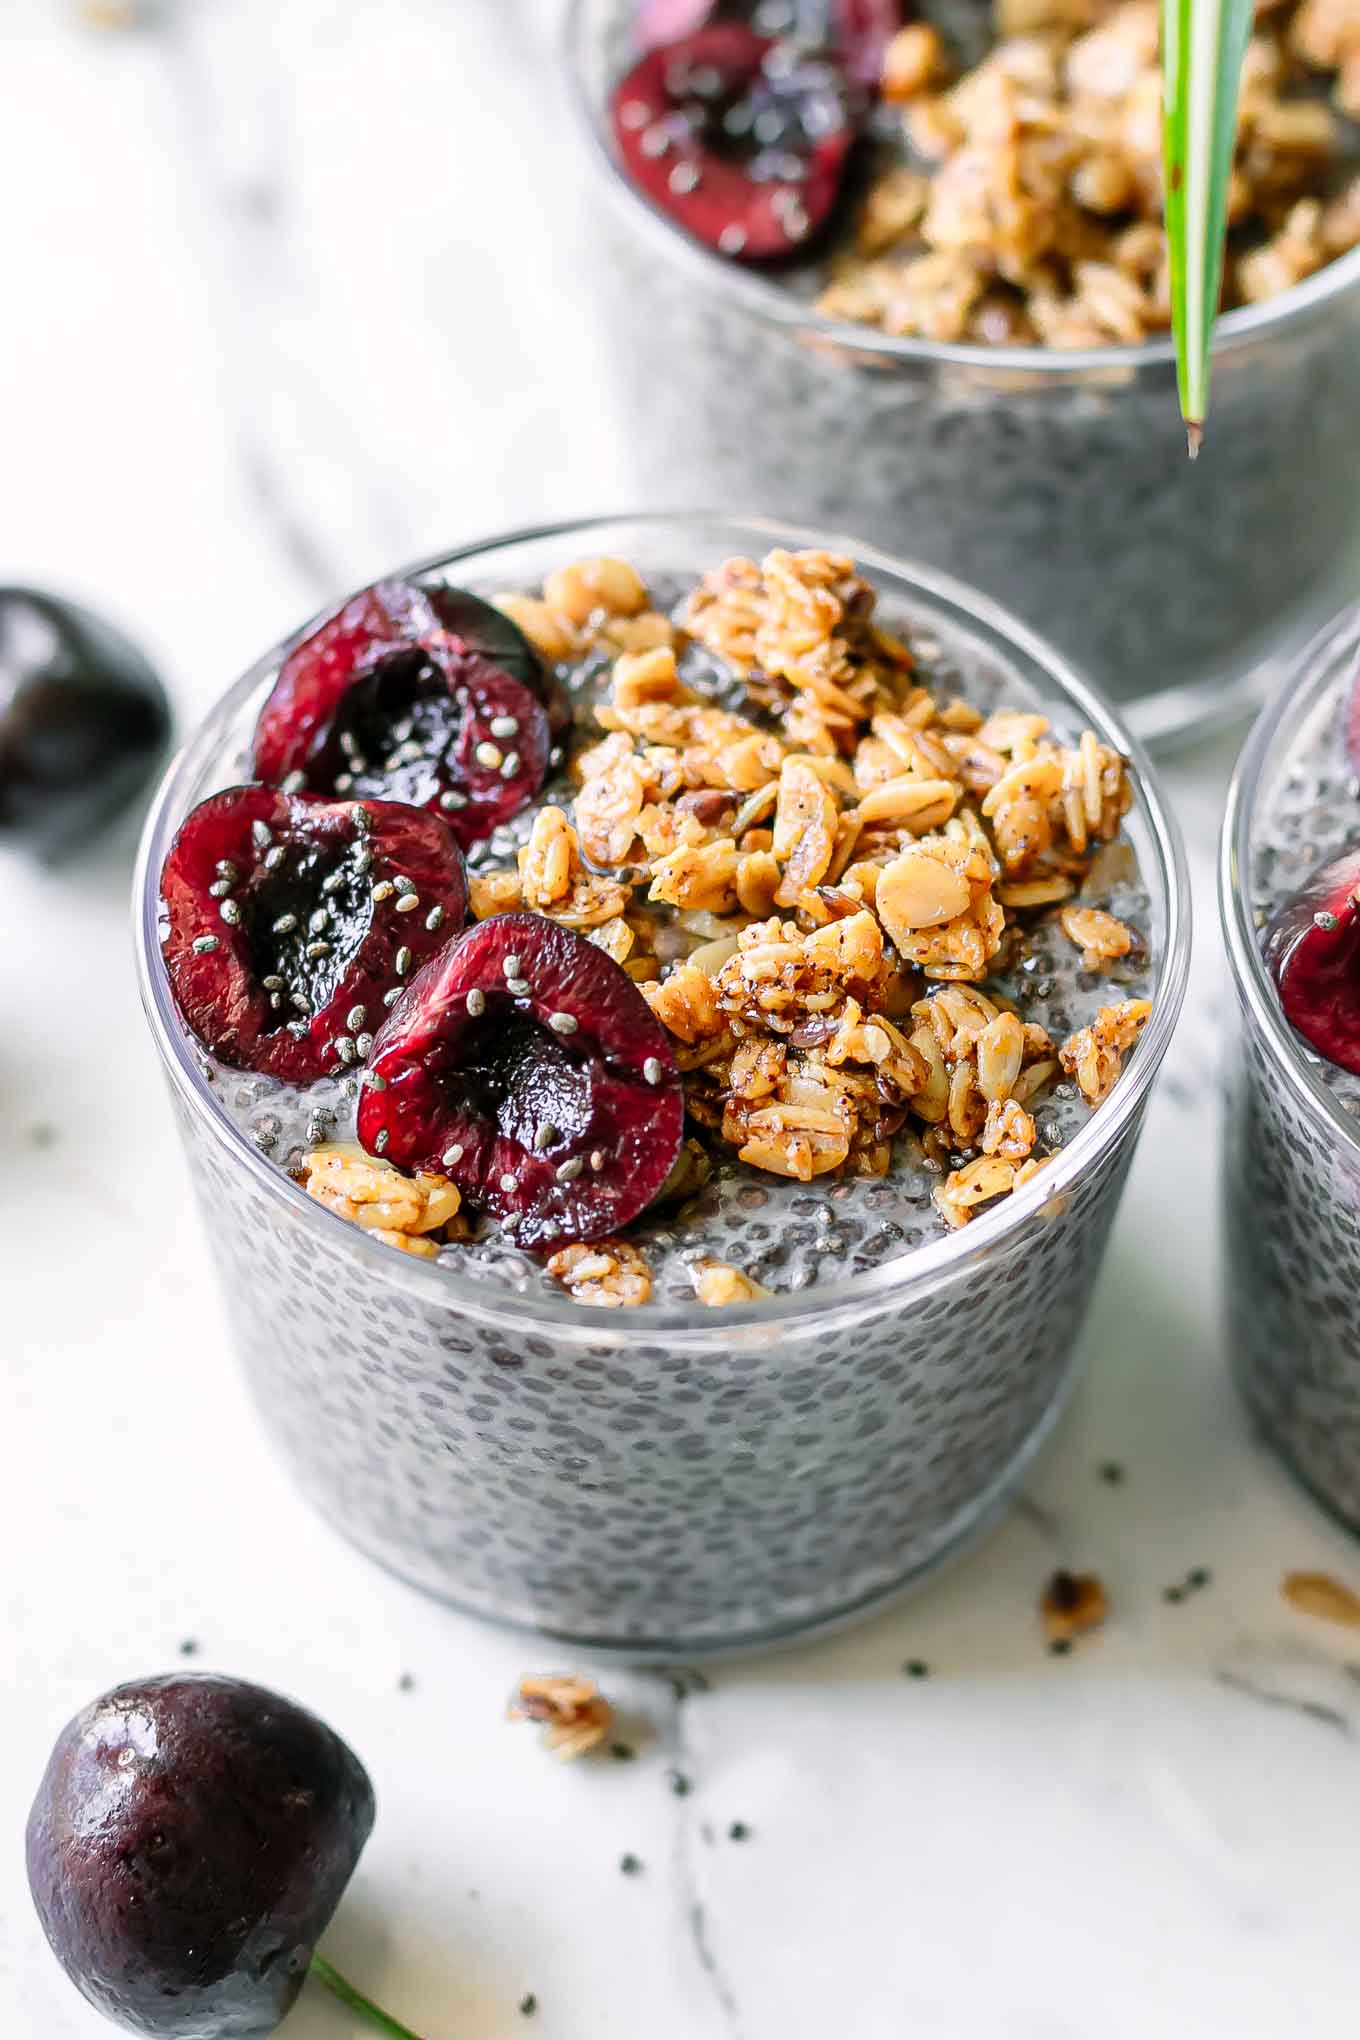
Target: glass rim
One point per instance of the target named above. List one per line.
(764, 300)
(1312, 673)
(905, 1276)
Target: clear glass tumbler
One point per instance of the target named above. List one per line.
(1291, 1172)
(668, 1481)
(1057, 480)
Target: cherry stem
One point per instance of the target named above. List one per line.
(357, 2002)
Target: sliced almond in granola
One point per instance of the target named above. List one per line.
(805, 819)
(919, 891)
(1098, 935)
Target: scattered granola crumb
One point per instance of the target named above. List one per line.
(575, 1715)
(608, 1275)
(1071, 1604)
(1320, 1595)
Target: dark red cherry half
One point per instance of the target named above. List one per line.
(858, 31)
(387, 700)
(742, 140)
(525, 1065)
(292, 923)
(659, 22)
(480, 627)
(1312, 948)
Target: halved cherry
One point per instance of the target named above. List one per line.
(860, 33)
(292, 924)
(1312, 948)
(741, 139)
(480, 627)
(525, 1065)
(857, 31)
(668, 21)
(389, 700)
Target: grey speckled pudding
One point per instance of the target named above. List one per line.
(1059, 482)
(1292, 1174)
(670, 1480)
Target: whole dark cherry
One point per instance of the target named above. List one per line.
(188, 1845)
(84, 722)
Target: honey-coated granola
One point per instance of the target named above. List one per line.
(1028, 204)
(832, 871)
(402, 1211)
(815, 884)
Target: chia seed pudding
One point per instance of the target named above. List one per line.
(853, 1315)
(1292, 1167)
(1057, 472)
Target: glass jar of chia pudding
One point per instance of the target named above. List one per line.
(1291, 1178)
(1028, 439)
(834, 862)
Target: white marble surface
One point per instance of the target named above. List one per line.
(292, 292)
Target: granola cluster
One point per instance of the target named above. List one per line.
(610, 1274)
(1028, 208)
(811, 888)
(405, 1212)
